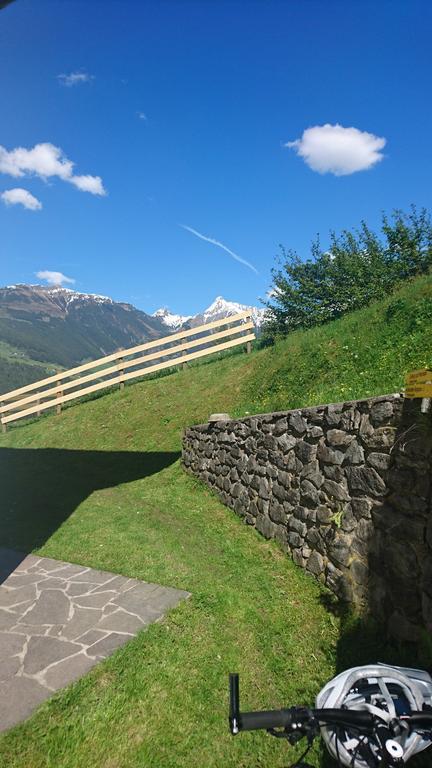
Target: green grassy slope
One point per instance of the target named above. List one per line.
(363, 354)
(16, 370)
(70, 491)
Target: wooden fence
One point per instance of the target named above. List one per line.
(111, 370)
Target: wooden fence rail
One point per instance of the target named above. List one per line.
(50, 392)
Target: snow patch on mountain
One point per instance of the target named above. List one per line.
(221, 308)
(169, 319)
(218, 310)
(68, 295)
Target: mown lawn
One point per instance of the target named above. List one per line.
(161, 700)
(102, 485)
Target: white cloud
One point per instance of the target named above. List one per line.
(92, 184)
(338, 150)
(19, 196)
(220, 245)
(142, 116)
(45, 160)
(54, 278)
(75, 78)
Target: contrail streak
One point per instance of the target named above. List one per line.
(220, 245)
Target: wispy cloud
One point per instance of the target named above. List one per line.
(75, 78)
(142, 116)
(46, 160)
(54, 278)
(20, 196)
(220, 245)
(338, 150)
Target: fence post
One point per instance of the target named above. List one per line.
(38, 403)
(4, 426)
(59, 393)
(185, 365)
(248, 347)
(121, 372)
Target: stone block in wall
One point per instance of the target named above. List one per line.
(294, 524)
(297, 423)
(316, 478)
(302, 513)
(265, 526)
(340, 550)
(316, 541)
(381, 412)
(328, 455)
(379, 461)
(354, 454)
(333, 578)
(334, 472)
(280, 427)
(324, 514)
(294, 539)
(380, 439)
(365, 480)
(277, 513)
(334, 490)
(333, 415)
(280, 491)
(315, 564)
(305, 452)
(338, 438)
(360, 573)
(286, 442)
(350, 419)
(309, 496)
(298, 558)
(361, 507)
(263, 488)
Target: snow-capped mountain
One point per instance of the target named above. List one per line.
(218, 310)
(169, 319)
(55, 295)
(66, 327)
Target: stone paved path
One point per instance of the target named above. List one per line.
(57, 620)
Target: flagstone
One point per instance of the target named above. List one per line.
(52, 607)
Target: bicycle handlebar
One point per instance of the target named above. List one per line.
(295, 717)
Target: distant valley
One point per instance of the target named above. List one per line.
(44, 329)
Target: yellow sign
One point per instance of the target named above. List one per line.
(419, 383)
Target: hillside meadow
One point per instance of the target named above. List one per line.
(65, 493)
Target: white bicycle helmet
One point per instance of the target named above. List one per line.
(385, 691)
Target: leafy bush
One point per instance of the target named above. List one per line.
(358, 268)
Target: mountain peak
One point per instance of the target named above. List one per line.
(218, 310)
(170, 319)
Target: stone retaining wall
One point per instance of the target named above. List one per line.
(344, 488)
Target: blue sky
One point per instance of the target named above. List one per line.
(180, 112)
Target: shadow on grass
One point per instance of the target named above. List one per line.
(40, 488)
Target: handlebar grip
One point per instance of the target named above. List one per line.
(234, 695)
(274, 718)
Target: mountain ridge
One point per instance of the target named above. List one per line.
(218, 310)
(58, 328)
